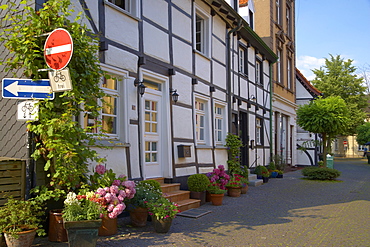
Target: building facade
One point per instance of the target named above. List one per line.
(309, 144)
(274, 23)
(186, 73)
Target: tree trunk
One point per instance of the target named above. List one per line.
(324, 151)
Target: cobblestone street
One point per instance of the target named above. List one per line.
(283, 212)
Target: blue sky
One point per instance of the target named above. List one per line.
(337, 27)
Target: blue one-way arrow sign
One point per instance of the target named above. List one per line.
(13, 88)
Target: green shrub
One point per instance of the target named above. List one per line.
(262, 171)
(152, 183)
(320, 173)
(271, 166)
(198, 182)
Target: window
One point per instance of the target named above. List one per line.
(251, 19)
(258, 131)
(201, 41)
(288, 22)
(278, 12)
(129, 6)
(243, 65)
(200, 121)
(219, 122)
(259, 73)
(124, 4)
(289, 73)
(278, 67)
(108, 114)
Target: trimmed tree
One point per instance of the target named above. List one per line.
(326, 116)
(338, 78)
(363, 134)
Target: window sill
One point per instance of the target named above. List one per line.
(112, 143)
(203, 146)
(202, 54)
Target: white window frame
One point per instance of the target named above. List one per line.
(242, 60)
(219, 123)
(278, 18)
(258, 131)
(204, 32)
(131, 6)
(289, 73)
(278, 66)
(121, 111)
(259, 72)
(206, 118)
(288, 21)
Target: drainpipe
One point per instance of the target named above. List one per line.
(271, 113)
(228, 74)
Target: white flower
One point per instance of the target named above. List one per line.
(71, 199)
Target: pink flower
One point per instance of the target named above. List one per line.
(110, 207)
(129, 184)
(107, 189)
(117, 182)
(122, 176)
(108, 197)
(122, 193)
(113, 189)
(101, 191)
(100, 169)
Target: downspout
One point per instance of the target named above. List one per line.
(228, 90)
(271, 114)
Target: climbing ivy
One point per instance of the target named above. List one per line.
(234, 145)
(60, 140)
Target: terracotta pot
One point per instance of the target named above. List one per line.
(234, 192)
(199, 195)
(244, 189)
(217, 199)
(208, 196)
(162, 225)
(108, 226)
(82, 233)
(24, 239)
(139, 216)
(56, 232)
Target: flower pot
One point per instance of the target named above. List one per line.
(162, 225)
(108, 226)
(217, 199)
(199, 195)
(56, 232)
(244, 189)
(273, 174)
(24, 239)
(139, 216)
(208, 196)
(265, 179)
(280, 176)
(234, 191)
(82, 233)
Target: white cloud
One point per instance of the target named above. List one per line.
(307, 63)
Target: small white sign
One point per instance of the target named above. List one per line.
(60, 80)
(28, 110)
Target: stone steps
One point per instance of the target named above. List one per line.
(180, 197)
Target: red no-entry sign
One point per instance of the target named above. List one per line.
(58, 49)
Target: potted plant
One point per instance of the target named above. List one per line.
(262, 173)
(280, 174)
(198, 184)
(162, 211)
(272, 170)
(216, 194)
(219, 177)
(137, 206)
(20, 221)
(81, 218)
(114, 190)
(234, 186)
